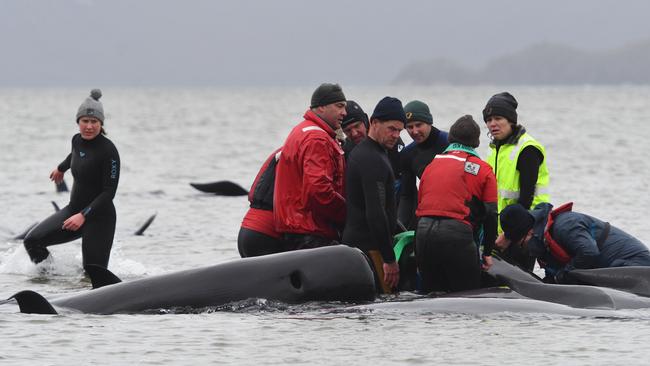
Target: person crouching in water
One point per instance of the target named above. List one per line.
(458, 194)
(563, 240)
(90, 214)
(369, 181)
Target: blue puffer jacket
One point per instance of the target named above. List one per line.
(577, 234)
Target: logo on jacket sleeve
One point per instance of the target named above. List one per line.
(472, 168)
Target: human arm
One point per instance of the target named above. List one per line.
(376, 192)
(57, 174)
(528, 163)
(321, 180)
(408, 197)
(391, 274)
(74, 222)
(490, 233)
(574, 235)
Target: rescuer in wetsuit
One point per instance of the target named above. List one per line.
(370, 197)
(90, 214)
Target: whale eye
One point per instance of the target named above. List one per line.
(295, 279)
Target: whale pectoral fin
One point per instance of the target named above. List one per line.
(31, 302)
(145, 225)
(100, 276)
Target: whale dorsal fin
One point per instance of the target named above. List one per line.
(31, 302)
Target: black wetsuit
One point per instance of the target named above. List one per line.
(370, 198)
(413, 159)
(95, 166)
(393, 156)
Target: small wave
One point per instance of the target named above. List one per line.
(65, 261)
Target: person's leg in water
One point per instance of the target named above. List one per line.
(49, 232)
(97, 239)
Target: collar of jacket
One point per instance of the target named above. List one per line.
(313, 117)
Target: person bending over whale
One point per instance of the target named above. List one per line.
(369, 180)
(457, 196)
(257, 234)
(563, 240)
(90, 214)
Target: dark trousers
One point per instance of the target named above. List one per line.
(306, 241)
(251, 243)
(96, 236)
(446, 255)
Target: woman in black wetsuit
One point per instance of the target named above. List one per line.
(90, 215)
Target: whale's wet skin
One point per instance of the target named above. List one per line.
(596, 142)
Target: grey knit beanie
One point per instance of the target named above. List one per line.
(92, 107)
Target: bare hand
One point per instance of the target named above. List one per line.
(74, 222)
(487, 263)
(56, 176)
(391, 274)
(501, 243)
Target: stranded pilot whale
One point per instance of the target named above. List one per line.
(336, 273)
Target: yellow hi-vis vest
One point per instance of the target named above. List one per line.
(504, 165)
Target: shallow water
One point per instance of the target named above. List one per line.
(167, 138)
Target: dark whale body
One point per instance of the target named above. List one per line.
(337, 273)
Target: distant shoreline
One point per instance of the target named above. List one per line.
(540, 64)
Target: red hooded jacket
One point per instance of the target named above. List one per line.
(309, 196)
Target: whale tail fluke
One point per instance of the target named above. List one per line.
(100, 276)
(31, 302)
(221, 188)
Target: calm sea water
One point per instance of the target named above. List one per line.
(167, 138)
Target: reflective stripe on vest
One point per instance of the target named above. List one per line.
(504, 164)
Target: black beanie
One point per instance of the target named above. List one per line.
(326, 94)
(389, 109)
(502, 104)
(516, 221)
(354, 114)
(465, 131)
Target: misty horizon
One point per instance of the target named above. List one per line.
(286, 42)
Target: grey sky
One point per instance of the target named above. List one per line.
(286, 42)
